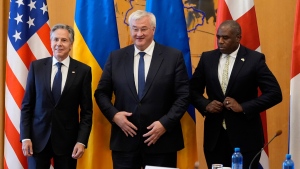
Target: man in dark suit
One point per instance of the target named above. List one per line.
(231, 76)
(146, 113)
(51, 125)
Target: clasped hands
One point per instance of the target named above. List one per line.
(156, 129)
(228, 103)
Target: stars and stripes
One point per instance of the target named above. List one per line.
(28, 39)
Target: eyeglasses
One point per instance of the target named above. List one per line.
(143, 29)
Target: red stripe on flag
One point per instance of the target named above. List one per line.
(43, 33)
(249, 24)
(26, 55)
(263, 116)
(295, 69)
(14, 139)
(5, 165)
(14, 86)
(223, 13)
(294, 116)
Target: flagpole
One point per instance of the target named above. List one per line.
(4, 5)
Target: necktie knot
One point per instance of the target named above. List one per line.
(142, 54)
(58, 64)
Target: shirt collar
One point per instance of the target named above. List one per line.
(65, 62)
(148, 50)
(233, 54)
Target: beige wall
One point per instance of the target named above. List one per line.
(275, 23)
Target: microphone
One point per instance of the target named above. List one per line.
(278, 133)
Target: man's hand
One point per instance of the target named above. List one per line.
(232, 104)
(156, 131)
(78, 151)
(127, 127)
(214, 107)
(27, 148)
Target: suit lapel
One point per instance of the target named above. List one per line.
(156, 62)
(238, 64)
(70, 77)
(47, 76)
(215, 58)
(128, 61)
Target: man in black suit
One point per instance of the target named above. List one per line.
(231, 76)
(149, 102)
(51, 125)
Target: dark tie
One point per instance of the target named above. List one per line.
(141, 75)
(56, 87)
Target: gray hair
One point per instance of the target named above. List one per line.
(63, 26)
(141, 14)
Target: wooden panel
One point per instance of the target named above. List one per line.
(275, 23)
(61, 11)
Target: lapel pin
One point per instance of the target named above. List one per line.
(243, 59)
(73, 71)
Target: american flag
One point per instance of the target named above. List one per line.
(28, 39)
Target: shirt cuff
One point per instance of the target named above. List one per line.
(81, 143)
(25, 139)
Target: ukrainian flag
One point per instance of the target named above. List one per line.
(96, 35)
(171, 31)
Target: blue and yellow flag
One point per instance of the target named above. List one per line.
(171, 31)
(96, 35)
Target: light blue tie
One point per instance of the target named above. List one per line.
(56, 87)
(141, 75)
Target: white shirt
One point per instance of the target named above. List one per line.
(64, 71)
(147, 60)
(222, 61)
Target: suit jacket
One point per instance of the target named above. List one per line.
(41, 117)
(165, 98)
(248, 73)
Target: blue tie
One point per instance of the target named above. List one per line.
(141, 75)
(56, 87)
